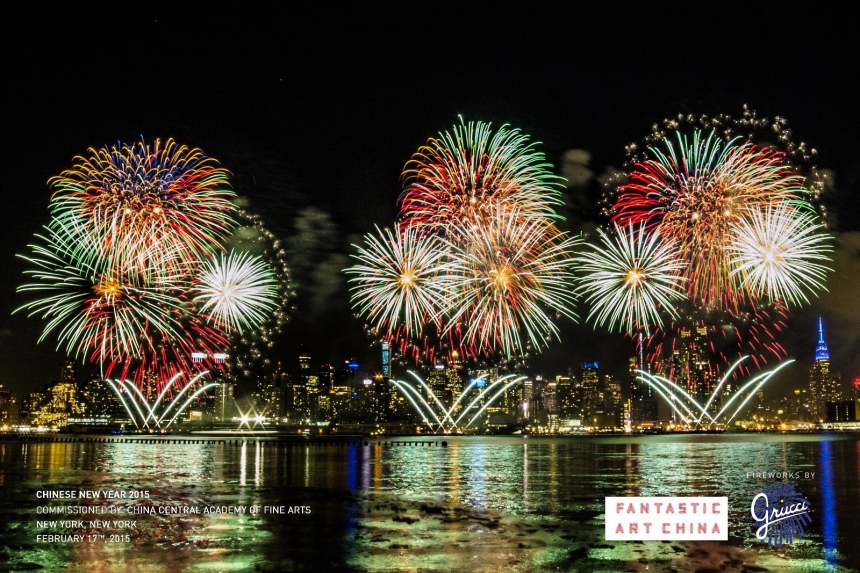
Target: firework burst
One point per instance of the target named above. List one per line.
(630, 279)
(465, 172)
(779, 253)
(726, 192)
(123, 257)
(512, 275)
(238, 289)
(402, 279)
(130, 203)
(694, 192)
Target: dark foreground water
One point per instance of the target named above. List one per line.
(481, 504)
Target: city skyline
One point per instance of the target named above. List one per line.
(451, 397)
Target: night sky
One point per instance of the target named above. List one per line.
(316, 111)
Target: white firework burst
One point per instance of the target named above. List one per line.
(779, 252)
(629, 279)
(238, 289)
(402, 279)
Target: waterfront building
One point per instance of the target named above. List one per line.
(8, 408)
(225, 402)
(643, 398)
(842, 411)
(60, 401)
(592, 401)
(824, 386)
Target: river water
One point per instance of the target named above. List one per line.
(409, 504)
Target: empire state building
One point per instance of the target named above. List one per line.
(823, 386)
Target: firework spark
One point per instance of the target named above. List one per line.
(510, 275)
(779, 252)
(403, 279)
(465, 172)
(630, 279)
(238, 289)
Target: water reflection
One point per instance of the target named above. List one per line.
(558, 485)
(828, 508)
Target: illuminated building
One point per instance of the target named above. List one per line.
(102, 401)
(60, 401)
(528, 398)
(643, 399)
(225, 402)
(8, 408)
(270, 392)
(437, 381)
(69, 372)
(592, 404)
(381, 399)
(566, 398)
(690, 365)
(386, 360)
(824, 387)
(612, 402)
(326, 379)
(298, 398)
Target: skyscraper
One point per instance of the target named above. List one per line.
(824, 386)
(386, 360)
(592, 403)
(643, 398)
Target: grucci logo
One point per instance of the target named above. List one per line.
(667, 518)
(779, 513)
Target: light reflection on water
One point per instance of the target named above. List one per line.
(563, 481)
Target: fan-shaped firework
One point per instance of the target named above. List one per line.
(779, 251)
(402, 279)
(510, 274)
(630, 279)
(124, 256)
(238, 289)
(463, 173)
(130, 202)
(693, 192)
